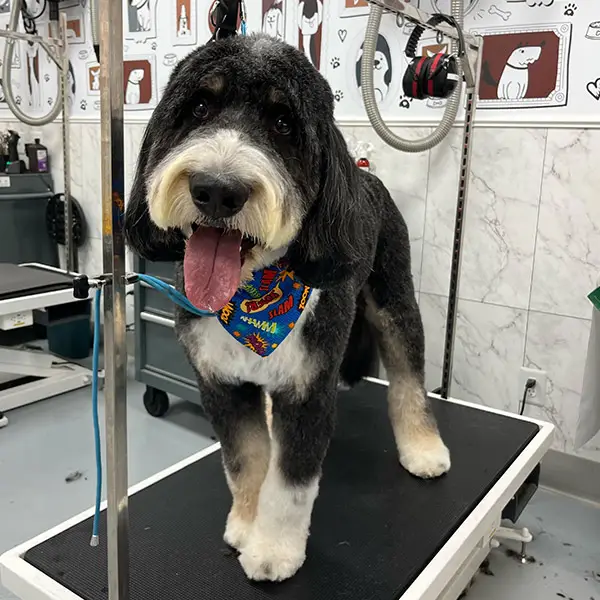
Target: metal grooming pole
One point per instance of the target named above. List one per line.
(113, 248)
(111, 85)
(474, 51)
(461, 208)
(70, 254)
(57, 49)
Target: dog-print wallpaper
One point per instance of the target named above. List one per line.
(539, 63)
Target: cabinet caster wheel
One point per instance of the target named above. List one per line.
(156, 401)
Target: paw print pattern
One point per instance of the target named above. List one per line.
(83, 105)
(338, 95)
(46, 78)
(154, 46)
(335, 62)
(50, 101)
(570, 9)
(405, 102)
(18, 100)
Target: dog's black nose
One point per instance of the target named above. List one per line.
(218, 197)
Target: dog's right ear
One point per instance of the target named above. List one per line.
(331, 241)
(142, 235)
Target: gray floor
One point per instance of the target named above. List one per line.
(46, 442)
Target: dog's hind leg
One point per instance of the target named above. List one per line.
(360, 357)
(237, 414)
(393, 311)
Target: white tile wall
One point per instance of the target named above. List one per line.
(567, 264)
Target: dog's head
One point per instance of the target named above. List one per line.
(241, 162)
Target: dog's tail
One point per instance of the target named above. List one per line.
(361, 356)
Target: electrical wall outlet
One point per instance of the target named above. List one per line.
(536, 395)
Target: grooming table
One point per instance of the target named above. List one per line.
(23, 289)
(377, 532)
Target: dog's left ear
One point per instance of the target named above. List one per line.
(142, 235)
(329, 243)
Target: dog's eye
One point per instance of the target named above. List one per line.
(283, 125)
(201, 110)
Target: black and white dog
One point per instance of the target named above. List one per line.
(242, 152)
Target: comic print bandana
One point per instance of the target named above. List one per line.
(264, 310)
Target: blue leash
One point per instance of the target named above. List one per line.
(176, 297)
(173, 294)
(95, 355)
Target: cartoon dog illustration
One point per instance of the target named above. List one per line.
(183, 29)
(95, 73)
(33, 75)
(514, 81)
(273, 20)
(132, 91)
(382, 69)
(310, 17)
(144, 16)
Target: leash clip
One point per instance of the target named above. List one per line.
(82, 284)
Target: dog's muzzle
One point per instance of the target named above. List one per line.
(218, 196)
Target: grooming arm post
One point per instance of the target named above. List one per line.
(70, 252)
(464, 174)
(113, 245)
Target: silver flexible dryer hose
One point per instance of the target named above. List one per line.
(368, 93)
(95, 14)
(9, 49)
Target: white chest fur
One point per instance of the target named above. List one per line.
(216, 353)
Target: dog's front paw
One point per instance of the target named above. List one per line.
(426, 459)
(265, 559)
(237, 531)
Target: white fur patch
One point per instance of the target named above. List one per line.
(276, 546)
(237, 531)
(216, 354)
(271, 214)
(426, 457)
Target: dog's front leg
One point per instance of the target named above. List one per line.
(238, 417)
(301, 430)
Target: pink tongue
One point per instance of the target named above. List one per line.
(212, 267)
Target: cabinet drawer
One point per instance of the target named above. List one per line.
(149, 299)
(159, 351)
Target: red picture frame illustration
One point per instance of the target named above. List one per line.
(525, 67)
(353, 8)
(184, 23)
(138, 81)
(93, 79)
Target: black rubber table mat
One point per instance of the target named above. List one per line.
(374, 527)
(18, 281)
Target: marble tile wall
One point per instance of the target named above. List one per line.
(531, 252)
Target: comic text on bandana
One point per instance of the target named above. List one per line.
(264, 310)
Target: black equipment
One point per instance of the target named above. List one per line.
(432, 76)
(225, 17)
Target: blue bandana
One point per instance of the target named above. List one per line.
(263, 311)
